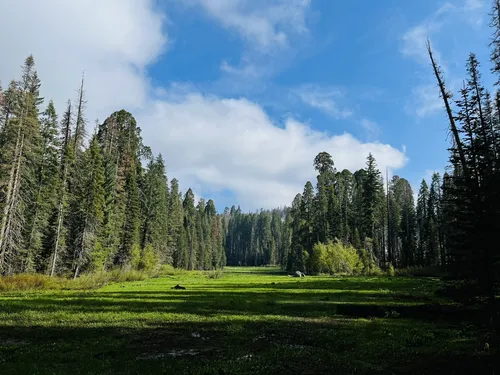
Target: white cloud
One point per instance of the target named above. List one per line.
(415, 39)
(233, 144)
(265, 24)
(112, 41)
(322, 98)
(209, 143)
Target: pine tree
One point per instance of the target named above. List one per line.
(45, 198)
(372, 201)
(176, 226)
(20, 141)
(324, 202)
(56, 232)
(90, 212)
(121, 144)
(296, 254)
(307, 214)
(433, 256)
(423, 223)
(407, 225)
(154, 210)
(190, 228)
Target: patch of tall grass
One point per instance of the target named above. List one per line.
(214, 274)
(92, 280)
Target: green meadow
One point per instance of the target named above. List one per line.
(244, 321)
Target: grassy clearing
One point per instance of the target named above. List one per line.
(246, 321)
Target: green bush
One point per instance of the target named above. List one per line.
(339, 259)
(369, 263)
(135, 257)
(149, 259)
(390, 270)
(214, 274)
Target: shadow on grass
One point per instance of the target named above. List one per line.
(264, 328)
(279, 303)
(264, 347)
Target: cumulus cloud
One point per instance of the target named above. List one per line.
(233, 144)
(210, 143)
(113, 41)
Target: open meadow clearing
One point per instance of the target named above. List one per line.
(247, 321)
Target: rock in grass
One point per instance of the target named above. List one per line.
(179, 287)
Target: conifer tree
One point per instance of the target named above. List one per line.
(177, 248)
(46, 185)
(190, 229)
(19, 150)
(423, 222)
(372, 203)
(90, 211)
(154, 210)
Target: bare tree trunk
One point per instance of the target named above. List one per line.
(8, 198)
(58, 235)
(9, 209)
(79, 120)
(445, 95)
(60, 216)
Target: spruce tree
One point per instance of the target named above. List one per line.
(154, 210)
(373, 203)
(423, 223)
(190, 229)
(89, 215)
(45, 197)
(20, 153)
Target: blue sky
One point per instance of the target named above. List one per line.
(239, 95)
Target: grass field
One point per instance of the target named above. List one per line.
(249, 321)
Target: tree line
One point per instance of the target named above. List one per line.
(72, 202)
(453, 224)
(351, 208)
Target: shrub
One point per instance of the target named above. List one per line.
(390, 270)
(214, 274)
(168, 270)
(149, 259)
(334, 258)
(369, 264)
(135, 257)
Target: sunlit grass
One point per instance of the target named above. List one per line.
(247, 320)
